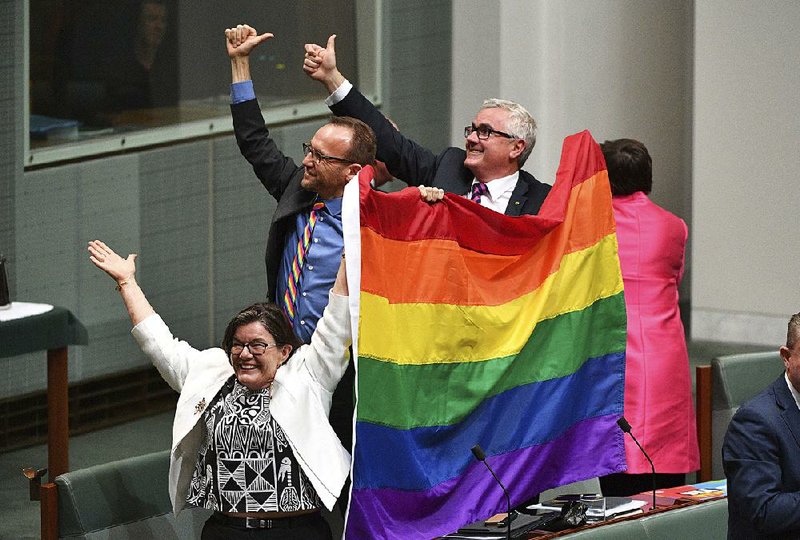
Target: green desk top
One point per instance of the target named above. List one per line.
(56, 328)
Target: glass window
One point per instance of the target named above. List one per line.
(106, 75)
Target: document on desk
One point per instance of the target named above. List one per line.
(615, 506)
(20, 310)
(627, 507)
(705, 491)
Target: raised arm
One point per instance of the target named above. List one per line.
(275, 170)
(320, 64)
(240, 41)
(327, 356)
(340, 285)
(171, 356)
(404, 158)
(123, 272)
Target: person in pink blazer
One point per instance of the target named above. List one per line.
(658, 384)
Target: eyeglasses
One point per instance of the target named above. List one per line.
(256, 347)
(484, 132)
(320, 157)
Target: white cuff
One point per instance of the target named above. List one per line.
(339, 94)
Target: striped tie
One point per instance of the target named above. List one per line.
(478, 189)
(292, 280)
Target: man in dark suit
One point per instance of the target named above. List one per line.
(761, 455)
(487, 170)
(334, 155)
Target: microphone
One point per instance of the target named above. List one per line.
(626, 428)
(480, 455)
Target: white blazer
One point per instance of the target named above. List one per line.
(301, 398)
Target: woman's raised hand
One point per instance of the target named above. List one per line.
(112, 264)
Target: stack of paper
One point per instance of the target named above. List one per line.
(615, 506)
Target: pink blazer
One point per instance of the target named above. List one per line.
(658, 385)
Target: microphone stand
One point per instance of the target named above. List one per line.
(626, 428)
(479, 454)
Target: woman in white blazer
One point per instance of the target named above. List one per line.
(251, 438)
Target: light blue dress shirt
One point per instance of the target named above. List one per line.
(323, 256)
(319, 272)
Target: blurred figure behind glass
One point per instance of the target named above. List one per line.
(114, 58)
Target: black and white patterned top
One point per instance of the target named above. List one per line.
(245, 463)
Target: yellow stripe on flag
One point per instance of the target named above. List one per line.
(406, 333)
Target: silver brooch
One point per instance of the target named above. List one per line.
(200, 406)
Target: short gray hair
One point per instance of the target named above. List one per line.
(520, 124)
(793, 333)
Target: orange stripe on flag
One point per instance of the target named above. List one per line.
(471, 277)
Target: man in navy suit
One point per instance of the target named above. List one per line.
(487, 169)
(761, 455)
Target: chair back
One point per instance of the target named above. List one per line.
(124, 499)
(736, 379)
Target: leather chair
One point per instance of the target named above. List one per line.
(722, 388)
(126, 499)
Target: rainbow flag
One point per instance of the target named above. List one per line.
(479, 328)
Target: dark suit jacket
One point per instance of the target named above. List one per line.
(279, 174)
(761, 458)
(418, 166)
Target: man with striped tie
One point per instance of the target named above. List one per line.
(304, 244)
(487, 170)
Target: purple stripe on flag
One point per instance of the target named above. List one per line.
(594, 447)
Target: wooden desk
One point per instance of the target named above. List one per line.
(52, 332)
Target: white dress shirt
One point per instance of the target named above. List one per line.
(792, 389)
(500, 191)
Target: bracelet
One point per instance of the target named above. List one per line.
(120, 284)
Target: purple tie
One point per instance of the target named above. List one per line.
(478, 189)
